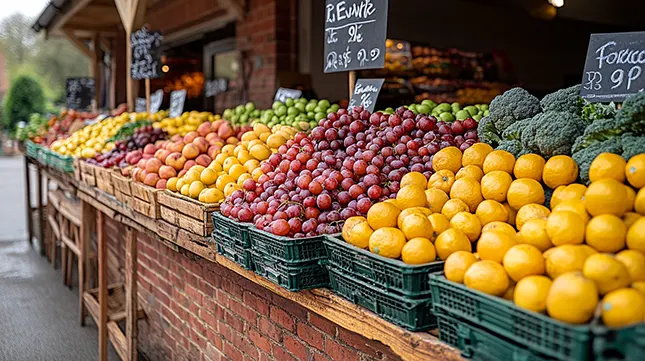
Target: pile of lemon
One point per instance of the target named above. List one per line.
(185, 123)
(484, 214)
(91, 140)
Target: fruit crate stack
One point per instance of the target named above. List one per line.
(292, 263)
(232, 240)
(398, 292)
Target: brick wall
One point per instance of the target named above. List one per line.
(200, 311)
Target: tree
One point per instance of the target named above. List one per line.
(17, 39)
(25, 96)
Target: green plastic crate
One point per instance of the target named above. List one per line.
(233, 252)
(292, 276)
(624, 344)
(538, 333)
(394, 275)
(477, 344)
(287, 249)
(32, 149)
(237, 231)
(62, 162)
(411, 314)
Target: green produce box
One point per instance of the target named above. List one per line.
(394, 275)
(32, 149)
(60, 162)
(287, 249)
(625, 344)
(536, 332)
(238, 232)
(481, 345)
(232, 251)
(292, 276)
(413, 315)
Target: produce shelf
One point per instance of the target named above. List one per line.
(287, 249)
(292, 276)
(232, 251)
(236, 232)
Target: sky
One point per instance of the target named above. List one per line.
(31, 8)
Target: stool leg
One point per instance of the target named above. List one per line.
(63, 261)
(70, 269)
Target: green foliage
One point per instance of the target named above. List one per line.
(515, 104)
(512, 146)
(632, 145)
(25, 96)
(487, 132)
(631, 117)
(594, 111)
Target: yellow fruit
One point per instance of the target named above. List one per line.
(575, 191)
(248, 136)
(563, 259)
(468, 190)
(223, 180)
(415, 179)
(259, 128)
(180, 184)
(525, 191)
(607, 165)
(565, 227)
(556, 197)
(192, 175)
(606, 233)
(512, 213)
(442, 180)
(236, 171)
(351, 222)
(488, 277)
(530, 211)
(448, 158)
(408, 211)
(572, 298)
(382, 215)
(499, 227)
(470, 171)
(439, 223)
(435, 199)
(635, 171)
(476, 154)
(243, 177)
(499, 160)
(451, 241)
(494, 245)
(634, 261)
(387, 242)
(559, 170)
(639, 202)
(523, 260)
(216, 166)
(172, 184)
(457, 264)
(230, 188)
(629, 218)
(608, 272)
(631, 198)
(208, 176)
(211, 195)
(256, 173)
(636, 235)
(529, 166)
(411, 196)
(417, 225)
(185, 189)
(606, 196)
(359, 235)
(533, 232)
(490, 211)
(195, 188)
(639, 286)
(275, 140)
(229, 162)
(418, 251)
(576, 206)
(510, 292)
(531, 292)
(495, 185)
(468, 223)
(452, 207)
(623, 307)
(251, 164)
(220, 158)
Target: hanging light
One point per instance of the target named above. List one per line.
(557, 3)
(165, 68)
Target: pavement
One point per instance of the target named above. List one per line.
(38, 315)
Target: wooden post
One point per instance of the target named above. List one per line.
(128, 63)
(88, 217)
(148, 96)
(131, 299)
(41, 212)
(103, 290)
(30, 226)
(96, 69)
(352, 83)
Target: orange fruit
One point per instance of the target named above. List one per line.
(439, 223)
(476, 154)
(523, 260)
(566, 258)
(450, 241)
(556, 197)
(470, 171)
(573, 191)
(468, 223)
(607, 165)
(572, 298)
(499, 160)
(559, 170)
(491, 211)
(606, 233)
(635, 171)
(351, 222)
(494, 245)
(418, 251)
(531, 293)
(495, 185)
(533, 232)
(565, 227)
(525, 191)
(639, 202)
(442, 180)
(628, 218)
(435, 199)
(417, 225)
(529, 166)
(358, 232)
(512, 213)
(457, 264)
(530, 211)
(635, 263)
(631, 199)
(408, 211)
(410, 196)
(414, 178)
(499, 227)
(606, 196)
(448, 158)
(608, 272)
(623, 307)
(452, 207)
(574, 205)
(488, 277)
(468, 190)
(636, 235)
(382, 215)
(387, 242)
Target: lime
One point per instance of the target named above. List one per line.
(423, 109)
(289, 102)
(447, 117)
(462, 114)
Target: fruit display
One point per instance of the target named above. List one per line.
(43, 131)
(242, 114)
(185, 123)
(301, 114)
(122, 154)
(350, 161)
(448, 112)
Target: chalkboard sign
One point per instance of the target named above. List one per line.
(365, 93)
(177, 99)
(156, 99)
(146, 54)
(614, 67)
(80, 92)
(355, 34)
(215, 86)
(140, 105)
(285, 93)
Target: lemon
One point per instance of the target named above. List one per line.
(523, 260)
(606, 196)
(572, 298)
(418, 251)
(457, 264)
(565, 227)
(576, 206)
(494, 245)
(636, 235)
(635, 263)
(488, 277)
(468, 223)
(623, 307)
(387, 242)
(529, 166)
(533, 232)
(606, 233)
(607, 165)
(451, 241)
(417, 225)
(608, 272)
(531, 292)
(563, 259)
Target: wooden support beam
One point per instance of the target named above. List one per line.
(69, 13)
(30, 223)
(78, 43)
(103, 289)
(235, 6)
(88, 215)
(96, 66)
(131, 298)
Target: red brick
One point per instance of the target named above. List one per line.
(338, 352)
(256, 303)
(267, 327)
(231, 352)
(259, 341)
(223, 298)
(193, 294)
(232, 289)
(322, 324)
(354, 340)
(319, 356)
(213, 353)
(283, 318)
(200, 340)
(311, 336)
(280, 354)
(235, 322)
(294, 309)
(245, 313)
(295, 346)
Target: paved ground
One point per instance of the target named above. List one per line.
(38, 315)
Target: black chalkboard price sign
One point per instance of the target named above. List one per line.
(215, 86)
(79, 92)
(365, 93)
(285, 93)
(615, 67)
(355, 34)
(146, 54)
(177, 99)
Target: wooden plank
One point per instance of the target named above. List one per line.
(143, 207)
(167, 231)
(88, 216)
(121, 183)
(187, 205)
(68, 14)
(184, 222)
(118, 340)
(196, 244)
(30, 225)
(234, 6)
(131, 299)
(41, 211)
(103, 291)
(78, 43)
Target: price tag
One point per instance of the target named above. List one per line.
(156, 99)
(614, 68)
(215, 86)
(365, 93)
(355, 33)
(140, 105)
(177, 99)
(285, 93)
(146, 54)
(79, 92)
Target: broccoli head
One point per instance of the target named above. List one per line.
(487, 132)
(632, 145)
(598, 131)
(585, 156)
(564, 100)
(631, 117)
(515, 104)
(552, 133)
(514, 131)
(512, 146)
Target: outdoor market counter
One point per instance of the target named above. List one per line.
(409, 346)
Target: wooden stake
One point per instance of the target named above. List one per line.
(148, 96)
(352, 83)
(131, 299)
(103, 289)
